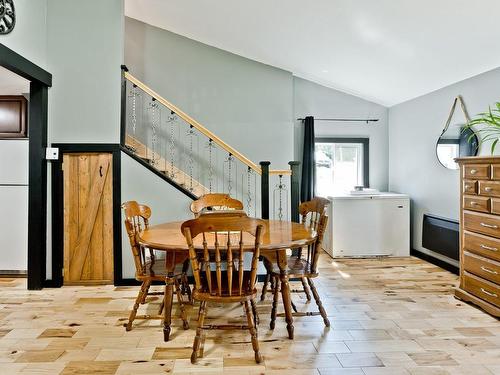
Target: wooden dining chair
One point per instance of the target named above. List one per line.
(304, 267)
(231, 281)
(310, 213)
(148, 269)
(215, 201)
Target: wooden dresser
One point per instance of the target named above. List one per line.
(480, 232)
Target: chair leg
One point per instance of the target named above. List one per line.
(255, 313)
(318, 302)
(186, 289)
(264, 287)
(133, 313)
(253, 333)
(269, 269)
(199, 332)
(275, 304)
(185, 323)
(306, 288)
(147, 285)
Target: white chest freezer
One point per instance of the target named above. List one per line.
(368, 225)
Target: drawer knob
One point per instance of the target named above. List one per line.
(487, 188)
(472, 203)
(488, 270)
(489, 226)
(467, 187)
(488, 293)
(488, 247)
(473, 171)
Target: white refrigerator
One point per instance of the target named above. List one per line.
(14, 203)
(368, 225)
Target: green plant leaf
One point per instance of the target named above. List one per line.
(493, 145)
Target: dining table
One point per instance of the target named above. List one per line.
(277, 238)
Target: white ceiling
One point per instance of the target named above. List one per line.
(12, 84)
(387, 51)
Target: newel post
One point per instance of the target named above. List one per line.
(294, 190)
(264, 189)
(123, 108)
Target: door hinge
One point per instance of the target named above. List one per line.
(62, 272)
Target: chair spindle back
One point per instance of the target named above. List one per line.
(315, 248)
(311, 211)
(136, 219)
(217, 201)
(223, 241)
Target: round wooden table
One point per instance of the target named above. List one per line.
(279, 236)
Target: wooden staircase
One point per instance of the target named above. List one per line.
(166, 140)
(170, 171)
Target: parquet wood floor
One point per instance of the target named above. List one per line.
(389, 316)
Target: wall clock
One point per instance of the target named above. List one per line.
(7, 16)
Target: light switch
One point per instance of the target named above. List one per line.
(52, 153)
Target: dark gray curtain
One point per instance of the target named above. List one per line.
(307, 186)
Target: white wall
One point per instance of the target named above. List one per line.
(311, 99)
(246, 103)
(414, 128)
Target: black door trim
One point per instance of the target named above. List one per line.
(40, 80)
(18, 64)
(58, 207)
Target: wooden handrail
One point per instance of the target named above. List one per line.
(283, 172)
(193, 123)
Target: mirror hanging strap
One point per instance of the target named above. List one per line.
(452, 111)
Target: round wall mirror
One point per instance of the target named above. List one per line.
(456, 142)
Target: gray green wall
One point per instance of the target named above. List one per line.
(250, 105)
(81, 44)
(246, 103)
(323, 102)
(85, 51)
(414, 128)
(29, 37)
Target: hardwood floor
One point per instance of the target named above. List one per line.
(389, 316)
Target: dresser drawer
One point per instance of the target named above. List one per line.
(490, 188)
(482, 288)
(476, 203)
(482, 223)
(495, 172)
(477, 171)
(482, 245)
(486, 268)
(469, 187)
(495, 206)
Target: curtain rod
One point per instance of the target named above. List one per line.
(344, 119)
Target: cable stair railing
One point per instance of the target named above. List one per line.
(193, 159)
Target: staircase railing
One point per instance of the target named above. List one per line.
(182, 151)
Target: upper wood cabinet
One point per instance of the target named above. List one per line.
(13, 117)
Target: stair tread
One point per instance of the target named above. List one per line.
(140, 151)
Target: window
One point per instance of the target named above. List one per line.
(341, 164)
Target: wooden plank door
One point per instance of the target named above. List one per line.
(88, 218)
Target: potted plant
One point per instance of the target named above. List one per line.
(487, 125)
